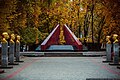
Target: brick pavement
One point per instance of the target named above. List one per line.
(61, 68)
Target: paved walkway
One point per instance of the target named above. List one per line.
(61, 68)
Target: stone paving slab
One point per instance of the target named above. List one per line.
(61, 68)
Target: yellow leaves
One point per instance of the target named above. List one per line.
(23, 23)
(36, 22)
(31, 9)
(43, 21)
(37, 10)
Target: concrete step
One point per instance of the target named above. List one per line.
(64, 54)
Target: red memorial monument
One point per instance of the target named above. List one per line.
(61, 35)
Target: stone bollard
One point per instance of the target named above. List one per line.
(108, 49)
(116, 53)
(4, 55)
(108, 53)
(18, 49)
(0, 53)
(118, 66)
(12, 50)
(1, 71)
(115, 50)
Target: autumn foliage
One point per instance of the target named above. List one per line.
(35, 19)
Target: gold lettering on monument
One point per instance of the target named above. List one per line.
(61, 36)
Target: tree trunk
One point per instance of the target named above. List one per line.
(92, 23)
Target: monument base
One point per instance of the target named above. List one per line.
(7, 67)
(118, 67)
(15, 63)
(61, 47)
(1, 71)
(106, 61)
(19, 61)
(114, 64)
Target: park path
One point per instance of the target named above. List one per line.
(61, 68)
